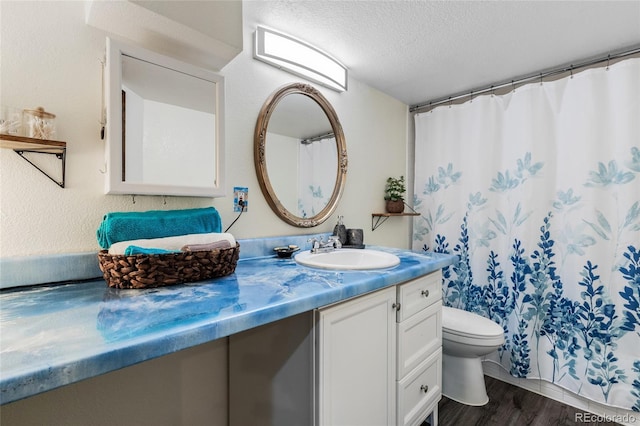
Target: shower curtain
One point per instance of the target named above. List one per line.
(316, 179)
(538, 193)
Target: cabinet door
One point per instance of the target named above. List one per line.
(356, 361)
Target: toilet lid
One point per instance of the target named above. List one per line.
(464, 323)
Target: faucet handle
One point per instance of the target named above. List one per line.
(336, 241)
(314, 242)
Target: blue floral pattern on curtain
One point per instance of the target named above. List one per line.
(315, 184)
(538, 193)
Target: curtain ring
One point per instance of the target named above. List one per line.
(608, 59)
(540, 79)
(471, 97)
(133, 199)
(571, 71)
(492, 91)
(164, 200)
(513, 86)
(450, 102)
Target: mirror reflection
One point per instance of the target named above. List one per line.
(300, 155)
(168, 122)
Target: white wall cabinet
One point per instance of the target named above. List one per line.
(372, 360)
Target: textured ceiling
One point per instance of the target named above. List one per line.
(418, 51)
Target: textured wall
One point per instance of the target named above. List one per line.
(51, 58)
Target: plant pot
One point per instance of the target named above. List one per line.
(395, 206)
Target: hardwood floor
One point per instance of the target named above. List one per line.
(511, 406)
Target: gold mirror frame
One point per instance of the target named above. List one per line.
(259, 145)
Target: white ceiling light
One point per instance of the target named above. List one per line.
(298, 57)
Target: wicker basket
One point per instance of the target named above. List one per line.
(144, 271)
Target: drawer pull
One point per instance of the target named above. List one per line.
(396, 306)
(425, 293)
(424, 388)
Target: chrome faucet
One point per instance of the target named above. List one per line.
(320, 246)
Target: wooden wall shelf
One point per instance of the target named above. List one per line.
(378, 219)
(22, 145)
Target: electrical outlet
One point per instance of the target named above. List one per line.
(240, 198)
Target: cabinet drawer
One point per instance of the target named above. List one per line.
(417, 294)
(418, 337)
(418, 392)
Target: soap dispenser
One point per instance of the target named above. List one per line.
(340, 231)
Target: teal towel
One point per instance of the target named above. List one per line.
(133, 250)
(124, 226)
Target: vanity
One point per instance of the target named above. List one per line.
(374, 359)
(86, 329)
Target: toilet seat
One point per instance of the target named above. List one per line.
(469, 328)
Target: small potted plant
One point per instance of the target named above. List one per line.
(394, 194)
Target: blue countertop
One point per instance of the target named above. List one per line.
(53, 335)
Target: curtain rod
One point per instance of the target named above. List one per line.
(313, 139)
(534, 77)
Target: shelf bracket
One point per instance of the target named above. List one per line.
(379, 220)
(62, 156)
(413, 212)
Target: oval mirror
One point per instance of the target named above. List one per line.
(300, 155)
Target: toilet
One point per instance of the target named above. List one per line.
(466, 338)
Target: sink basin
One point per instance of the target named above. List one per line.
(348, 259)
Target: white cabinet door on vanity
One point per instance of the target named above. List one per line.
(356, 361)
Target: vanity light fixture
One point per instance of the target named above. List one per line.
(298, 57)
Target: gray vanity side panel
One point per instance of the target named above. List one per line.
(271, 371)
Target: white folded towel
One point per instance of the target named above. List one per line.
(173, 243)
